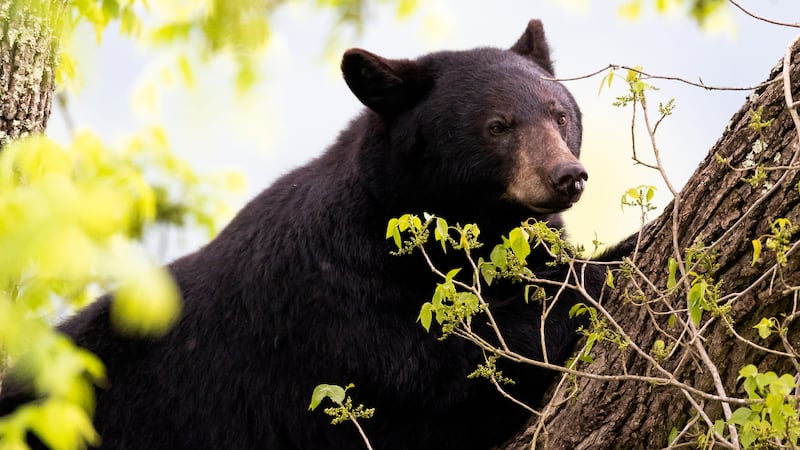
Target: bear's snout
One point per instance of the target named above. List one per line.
(569, 180)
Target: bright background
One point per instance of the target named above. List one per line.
(303, 103)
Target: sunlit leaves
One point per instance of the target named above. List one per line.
(778, 240)
(69, 220)
(640, 197)
(774, 415)
(705, 12)
(61, 425)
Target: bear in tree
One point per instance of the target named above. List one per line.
(301, 287)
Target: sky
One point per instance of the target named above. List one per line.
(302, 103)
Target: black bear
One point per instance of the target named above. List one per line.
(301, 289)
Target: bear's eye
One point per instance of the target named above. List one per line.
(497, 128)
(562, 120)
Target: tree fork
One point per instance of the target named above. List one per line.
(718, 206)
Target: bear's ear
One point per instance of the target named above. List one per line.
(533, 45)
(386, 86)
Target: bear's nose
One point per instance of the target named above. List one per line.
(569, 180)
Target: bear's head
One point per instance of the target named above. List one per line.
(485, 126)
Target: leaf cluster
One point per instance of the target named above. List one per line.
(774, 413)
(343, 409)
(71, 218)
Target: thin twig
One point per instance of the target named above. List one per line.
(762, 18)
(361, 432)
(649, 76)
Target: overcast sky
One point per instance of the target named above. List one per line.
(303, 103)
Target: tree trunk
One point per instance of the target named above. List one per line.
(727, 213)
(28, 56)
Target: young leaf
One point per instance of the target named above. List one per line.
(498, 257)
(740, 416)
(610, 279)
(488, 272)
(695, 297)
(748, 371)
(764, 327)
(393, 231)
(441, 233)
(673, 268)
(756, 250)
(451, 274)
(426, 316)
(323, 391)
(518, 239)
(577, 310)
(719, 426)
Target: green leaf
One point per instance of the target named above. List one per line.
(606, 81)
(426, 315)
(673, 268)
(695, 297)
(719, 426)
(518, 241)
(774, 402)
(499, 257)
(673, 434)
(651, 191)
(147, 303)
(62, 425)
(756, 250)
(110, 9)
(610, 278)
(740, 416)
(748, 436)
(764, 327)
(784, 385)
(393, 231)
(451, 274)
(577, 310)
(765, 379)
(488, 272)
(441, 232)
(323, 391)
(468, 299)
(749, 386)
(748, 371)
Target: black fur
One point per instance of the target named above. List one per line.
(301, 289)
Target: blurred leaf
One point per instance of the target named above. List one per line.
(147, 303)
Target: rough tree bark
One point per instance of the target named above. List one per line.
(717, 205)
(28, 56)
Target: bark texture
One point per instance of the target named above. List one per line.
(28, 56)
(717, 205)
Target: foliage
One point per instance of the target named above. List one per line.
(198, 30)
(70, 223)
(774, 417)
(682, 310)
(343, 410)
(703, 11)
